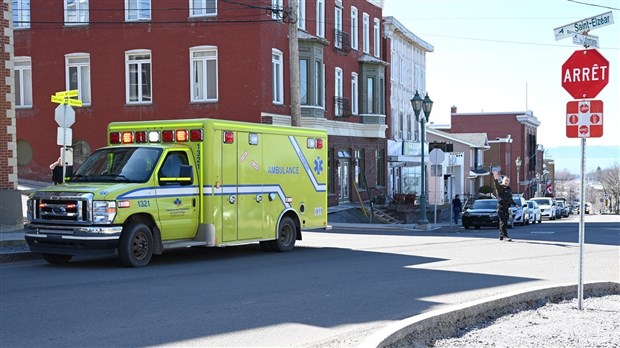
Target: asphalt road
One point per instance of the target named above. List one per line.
(335, 289)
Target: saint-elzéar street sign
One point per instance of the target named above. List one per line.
(584, 25)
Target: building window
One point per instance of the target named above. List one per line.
(277, 7)
(338, 26)
(137, 10)
(320, 18)
(277, 65)
(354, 28)
(354, 94)
(301, 14)
(78, 75)
(76, 12)
(338, 107)
(303, 81)
(380, 165)
(319, 80)
(21, 14)
(377, 38)
(359, 167)
(366, 33)
(23, 82)
(138, 77)
(370, 95)
(201, 8)
(203, 69)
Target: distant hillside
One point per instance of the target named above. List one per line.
(569, 157)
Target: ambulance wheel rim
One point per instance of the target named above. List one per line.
(140, 246)
(135, 247)
(286, 234)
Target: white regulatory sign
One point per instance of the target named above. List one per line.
(584, 25)
(64, 136)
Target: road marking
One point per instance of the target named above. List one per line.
(542, 232)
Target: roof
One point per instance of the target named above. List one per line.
(411, 37)
(477, 140)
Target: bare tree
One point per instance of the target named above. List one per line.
(610, 180)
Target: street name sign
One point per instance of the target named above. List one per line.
(585, 73)
(584, 25)
(584, 119)
(586, 40)
(65, 98)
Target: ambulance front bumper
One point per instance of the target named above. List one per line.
(72, 239)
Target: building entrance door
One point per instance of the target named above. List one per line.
(343, 180)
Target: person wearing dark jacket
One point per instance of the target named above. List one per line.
(457, 207)
(501, 188)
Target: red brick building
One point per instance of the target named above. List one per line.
(10, 212)
(163, 59)
(511, 135)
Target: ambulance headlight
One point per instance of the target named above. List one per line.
(104, 212)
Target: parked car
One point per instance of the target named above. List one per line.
(483, 212)
(547, 207)
(521, 212)
(564, 210)
(535, 215)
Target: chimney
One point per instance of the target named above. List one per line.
(453, 109)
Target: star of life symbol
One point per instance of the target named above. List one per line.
(318, 165)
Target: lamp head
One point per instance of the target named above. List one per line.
(416, 104)
(428, 106)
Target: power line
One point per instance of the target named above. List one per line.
(595, 5)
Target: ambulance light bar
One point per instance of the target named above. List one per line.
(167, 136)
(315, 143)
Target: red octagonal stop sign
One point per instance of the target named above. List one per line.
(585, 74)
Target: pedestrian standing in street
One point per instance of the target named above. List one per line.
(56, 169)
(501, 188)
(457, 207)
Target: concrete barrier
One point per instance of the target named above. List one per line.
(422, 330)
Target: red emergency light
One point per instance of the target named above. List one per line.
(229, 137)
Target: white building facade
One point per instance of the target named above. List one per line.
(407, 75)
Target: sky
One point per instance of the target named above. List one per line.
(502, 56)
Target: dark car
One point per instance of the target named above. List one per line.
(483, 212)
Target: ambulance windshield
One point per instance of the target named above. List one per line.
(118, 164)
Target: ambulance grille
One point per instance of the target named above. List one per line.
(62, 207)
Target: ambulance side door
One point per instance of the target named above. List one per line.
(177, 200)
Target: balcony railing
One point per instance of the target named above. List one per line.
(342, 107)
(342, 41)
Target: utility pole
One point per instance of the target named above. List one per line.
(293, 48)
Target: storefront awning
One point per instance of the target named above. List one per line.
(474, 173)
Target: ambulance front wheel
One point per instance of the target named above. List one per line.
(135, 247)
(287, 235)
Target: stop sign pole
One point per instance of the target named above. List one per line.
(584, 75)
(64, 116)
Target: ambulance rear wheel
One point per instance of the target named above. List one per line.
(287, 235)
(57, 259)
(135, 247)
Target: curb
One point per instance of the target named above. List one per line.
(424, 329)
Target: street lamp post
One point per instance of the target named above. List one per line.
(426, 105)
(518, 163)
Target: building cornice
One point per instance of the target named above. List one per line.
(335, 128)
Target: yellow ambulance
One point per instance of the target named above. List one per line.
(180, 183)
